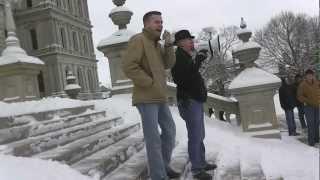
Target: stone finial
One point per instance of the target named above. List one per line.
(12, 39)
(120, 15)
(243, 24)
(72, 88)
(119, 2)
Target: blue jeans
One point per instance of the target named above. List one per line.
(290, 121)
(192, 112)
(312, 116)
(159, 146)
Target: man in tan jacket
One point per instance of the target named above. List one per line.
(309, 94)
(144, 63)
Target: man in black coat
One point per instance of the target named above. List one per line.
(191, 94)
(288, 102)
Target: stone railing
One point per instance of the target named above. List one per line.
(217, 103)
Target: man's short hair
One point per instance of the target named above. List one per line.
(149, 14)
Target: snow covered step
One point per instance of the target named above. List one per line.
(37, 144)
(133, 169)
(104, 161)
(180, 159)
(11, 121)
(136, 167)
(41, 127)
(74, 151)
(250, 166)
(228, 162)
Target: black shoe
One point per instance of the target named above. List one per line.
(172, 174)
(209, 167)
(296, 134)
(202, 175)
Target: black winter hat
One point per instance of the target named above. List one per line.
(309, 71)
(182, 34)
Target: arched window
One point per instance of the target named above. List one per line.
(29, 3)
(34, 39)
(80, 78)
(63, 37)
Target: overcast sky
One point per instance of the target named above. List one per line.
(192, 15)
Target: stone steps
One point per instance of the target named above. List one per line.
(133, 169)
(106, 160)
(77, 150)
(8, 122)
(36, 128)
(37, 144)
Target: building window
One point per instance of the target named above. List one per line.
(70, 6)
(34, 40)
(80, 7)
(63, 37)
(85, 44)
(58, 3)
(75, 41)
(29, 3)
(5, 33)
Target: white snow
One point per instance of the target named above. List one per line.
(120, 9)
(13, 54)
(18, 168)
(120, 36)
(245, 30)
(253, 77)
(285, 158)
(245, 46)
(222, 98)
(45, 104)
(72, 86)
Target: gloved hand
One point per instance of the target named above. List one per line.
(166, 36)
(202, 55)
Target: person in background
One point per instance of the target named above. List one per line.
(309, 94)
(191, 94)
(287, 102)
(300, 106)
(144, 63)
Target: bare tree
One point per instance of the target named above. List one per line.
(290, 41)
(217, 70)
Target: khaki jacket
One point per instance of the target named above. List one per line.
(144, 63)
(309, 93)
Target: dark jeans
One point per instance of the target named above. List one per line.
(312, 116)
(290, 121)
(192, 112)
(301, 116)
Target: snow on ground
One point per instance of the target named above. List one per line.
(45, 104)
(287, 158)
(18, 168)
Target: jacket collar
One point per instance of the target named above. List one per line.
(151, 34)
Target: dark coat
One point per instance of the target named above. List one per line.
(287, 96)
(295, 93)
(186, 75)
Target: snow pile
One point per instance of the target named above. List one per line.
(13, 54)
(45, 104)
(253, 77)
(120, 36)
(18, 168)
(246, 46)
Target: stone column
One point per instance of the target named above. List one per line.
(254, 89)
(18, 71)
(114, 46)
